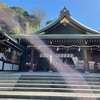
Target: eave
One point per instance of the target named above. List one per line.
(61, 36)
(8, 39)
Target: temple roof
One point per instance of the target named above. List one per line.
(66, 18)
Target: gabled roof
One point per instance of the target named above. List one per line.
(66, 17)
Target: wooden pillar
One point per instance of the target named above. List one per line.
(36, 60)
(14, 56)
(95, 55)
(32, 59)
(50, 63)
(86, 67)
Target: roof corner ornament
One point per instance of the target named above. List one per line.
(64, 10)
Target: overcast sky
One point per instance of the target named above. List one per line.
(85, 11)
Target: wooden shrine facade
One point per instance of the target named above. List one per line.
(10, 52)
(85, 48)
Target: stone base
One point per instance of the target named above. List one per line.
(50, 71)
(30, 70)
(86, 72)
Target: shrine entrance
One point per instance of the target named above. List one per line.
(43, 65)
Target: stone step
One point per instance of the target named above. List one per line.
(10, 78)
(49, 86)
(61, 77)
(44, 74)
(46, 86)
(31, 80)
(47, 76)
(39, 84)
(57, 81)
(69, 86)
(34, 79)
(53, 76)
(50, 82)
(8, 81)
(21, 94)
(9, 75)
(25, 85)
(38, 89)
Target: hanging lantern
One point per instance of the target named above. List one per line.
(57, 48)
(50, 42)
(85, 42)
(98, 49)
(79, 49)
(67, 49)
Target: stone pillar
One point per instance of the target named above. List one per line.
(31, 60)
(86, 67)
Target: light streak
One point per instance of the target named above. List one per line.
(60, 67)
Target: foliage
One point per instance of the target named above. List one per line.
(17, 20)
(27, 21)
(48, 22)
(17, 30)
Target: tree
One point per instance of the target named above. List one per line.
(48, 22)
(40, 14)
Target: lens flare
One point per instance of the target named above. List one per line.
(60, 67)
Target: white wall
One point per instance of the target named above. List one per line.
(7, 66)
(1, 63)
(15, 67)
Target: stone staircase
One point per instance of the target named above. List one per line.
(49, 86)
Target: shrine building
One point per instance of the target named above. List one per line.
(73, 43)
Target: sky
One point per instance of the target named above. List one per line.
(86, 12)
